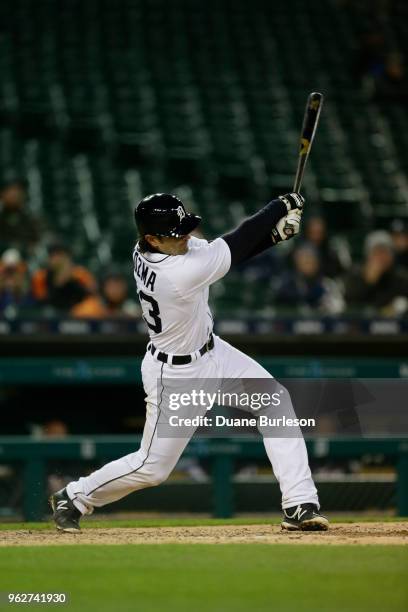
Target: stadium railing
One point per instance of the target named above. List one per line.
(222, 454)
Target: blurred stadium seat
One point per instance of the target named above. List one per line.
(102, 102)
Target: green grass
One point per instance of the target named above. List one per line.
(191, 522)
(206, 578)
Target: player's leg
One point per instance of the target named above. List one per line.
(147, 467)
(288, 456)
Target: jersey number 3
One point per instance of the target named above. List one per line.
(154, 313)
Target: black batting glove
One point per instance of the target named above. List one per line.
(292, 201)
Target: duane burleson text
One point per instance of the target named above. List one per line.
(221, 421)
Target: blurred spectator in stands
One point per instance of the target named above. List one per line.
(334, 258)
(115, 294)
(305, 288)
(399, 235)
(66, 287)
(57, 470)
(370, 57)
(379, 284)
(392, 85)
(55, 429)
(263, 266)
(18, 227)
(15, 293)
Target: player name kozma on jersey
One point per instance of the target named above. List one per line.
(143, 272)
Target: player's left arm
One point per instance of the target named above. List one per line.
(286, 228)
(265, 228)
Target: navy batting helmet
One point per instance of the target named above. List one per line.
(163, 214)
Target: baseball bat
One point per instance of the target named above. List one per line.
(310, 121)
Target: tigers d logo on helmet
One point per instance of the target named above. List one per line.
(181, 213)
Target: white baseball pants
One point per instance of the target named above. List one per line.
(156, 458)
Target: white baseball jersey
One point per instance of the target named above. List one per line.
(173, 292)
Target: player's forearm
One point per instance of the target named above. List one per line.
(286, 228)
(266, 243)
(254, 232)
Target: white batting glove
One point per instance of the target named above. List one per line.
(287, 227)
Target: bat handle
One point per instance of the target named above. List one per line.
(299, 175)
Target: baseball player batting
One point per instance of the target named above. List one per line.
(173, 272)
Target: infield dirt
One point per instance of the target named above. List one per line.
(340, 533)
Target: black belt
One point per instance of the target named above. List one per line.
(181, 359)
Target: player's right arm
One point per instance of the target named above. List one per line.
(203, 264)
(260, 231)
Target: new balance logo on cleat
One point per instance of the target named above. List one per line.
(66, 515)
(304, 517)
(298, 513)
